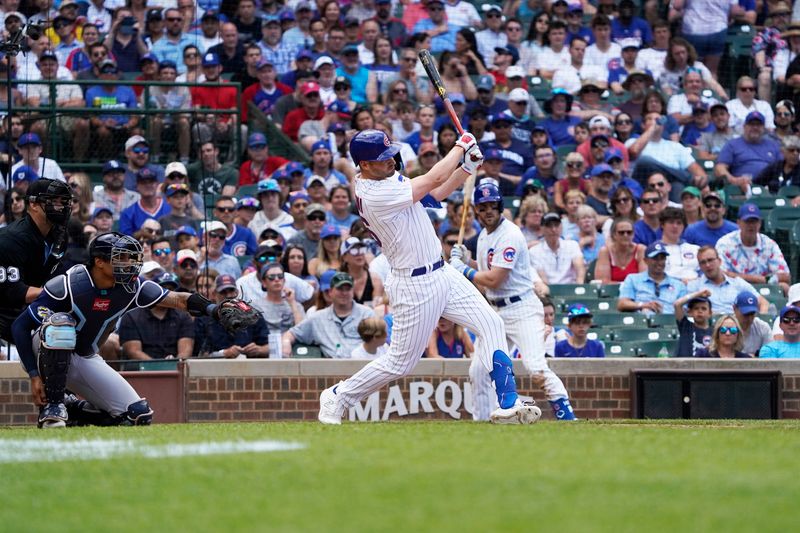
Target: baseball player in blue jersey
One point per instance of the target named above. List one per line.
(421, 286)
(504, 270)
(59, 334)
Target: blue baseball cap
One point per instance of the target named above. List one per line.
(167, 280)
(294, 166)
(485, 82)
(349, 48)
(146, 174)
(185, 230)
(601, 169)
(320, 145)
(341, 108)
(654, 249)
(25, 173)
(148, 57)
(329, 230)
(264, 63)
(286, 16)
(789, 309)
(457, 98)
(754, 115)
(210, 59)
(746, 302)
(304, 54)
(493, 154)
(297, 195)
(256, 139)
(281, 175)
(177, 188)
(268, 185)
(325, 279)
(102, 209)
(248, 202)
(113, 166)
(577, 310)
(749, 211)
(337, 127)
(613, 153)
(29, 138)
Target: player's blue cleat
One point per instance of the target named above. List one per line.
(53, 415)
(562, 409)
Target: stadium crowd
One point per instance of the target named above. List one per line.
(621, 173)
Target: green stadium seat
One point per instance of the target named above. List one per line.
(570, 289)
(618, 320)
(563, 150)
(661, 321)
(306, 351)
(511, 202)
(639, 335)
(244, 259)
(621, 349)
(781, 218)
(593, 303)
(247, 190)
(156, 364)
(790, 191)
(609, 291)
(653, 348)
(767, 291)
(539, 87)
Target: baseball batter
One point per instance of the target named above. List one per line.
(421, 286)
(504, 270)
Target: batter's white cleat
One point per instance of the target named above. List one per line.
(519, 413)
(329, 411)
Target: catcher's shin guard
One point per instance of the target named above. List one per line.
(138, 414)
(57, 337)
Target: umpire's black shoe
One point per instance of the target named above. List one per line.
(53, 415)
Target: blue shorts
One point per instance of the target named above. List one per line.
(712, 44)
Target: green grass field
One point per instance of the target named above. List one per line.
(447, 476)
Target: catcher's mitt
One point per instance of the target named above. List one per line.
(235, 315)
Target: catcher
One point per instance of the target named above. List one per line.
(59, 334)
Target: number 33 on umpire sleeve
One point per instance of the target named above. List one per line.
(10, 274)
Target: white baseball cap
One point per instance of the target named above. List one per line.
(215, 225)
(176, 166)
(183, 255)
(133, 141)
(599, 121)
(150, 266)
(794, 294)
(518, 95)
(515, 71)
(323, 60)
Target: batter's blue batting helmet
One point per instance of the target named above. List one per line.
(373, 145)
(486, 191)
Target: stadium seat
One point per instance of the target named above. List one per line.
(243, 260)
(615, 319)
(661, 321)
(790, 191)
(247, 190)
(565, 149)
(621, 349)
(609, 291)
(767, 291)
(511, 202)
(653, 348)
(781, 219)
(570, 289)
(306, 351)
(638, 335)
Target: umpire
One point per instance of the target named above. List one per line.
(31, 248)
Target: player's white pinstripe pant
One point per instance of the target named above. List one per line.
(524, 323)
(417, 303)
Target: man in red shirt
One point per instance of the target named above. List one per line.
(217, 127)
(600, 126)
(259, 165)
(310, 109)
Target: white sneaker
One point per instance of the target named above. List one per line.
(519, 413)
(329, 412)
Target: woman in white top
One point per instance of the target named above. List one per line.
(535, 42)
(746, 102)
(680, 56)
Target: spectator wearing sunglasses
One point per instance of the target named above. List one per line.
(177, 195)
(756, 332)
(746, 156)
(785, 171)
(652, 291)
(723, 289)
(214, 257)
(137, 155)
(727, 340)
(789, 346)
(279, 306)
(713, 226)
(162, 252)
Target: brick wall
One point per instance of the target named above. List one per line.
(263, 390)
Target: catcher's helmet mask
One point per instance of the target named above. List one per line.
(125, 255)
(48, 193)
(374, 145)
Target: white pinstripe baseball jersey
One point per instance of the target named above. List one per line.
(505, 247)
(400, 226)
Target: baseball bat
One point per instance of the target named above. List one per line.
(433, 74)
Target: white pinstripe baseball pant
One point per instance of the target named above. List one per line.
(524, 323)
(417, 303)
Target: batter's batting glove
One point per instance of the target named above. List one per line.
(460, 251)
(472, 160)
(459, 265)
(467, 141)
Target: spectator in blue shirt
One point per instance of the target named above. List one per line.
(713, 226)
(744, 157)
(111, 129)
(151, 204)
(544, 171)
(700, 124)
(626, 26)
(560, 125)
(170, 47)
(577, 344)
(652, 291)
(789, 347)
(648, 229)
(442, 33)
(516, 154)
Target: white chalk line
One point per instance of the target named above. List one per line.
(52, 450)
